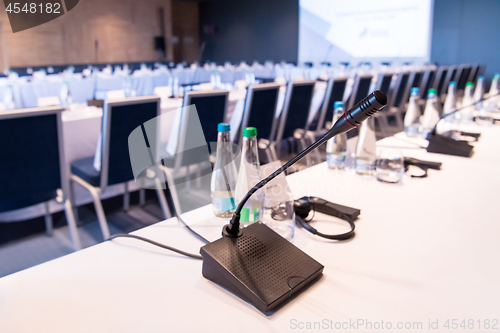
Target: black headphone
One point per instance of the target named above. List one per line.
(304, 205)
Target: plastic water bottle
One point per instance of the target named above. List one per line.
(413, 114)
(223, 182)
(336, 147)
(366, 153)
(467, 112)
(479, 93)
(494, 102)
(450, 104)
(65, 96)
(8, 98)
(431, 114)
(249, 175)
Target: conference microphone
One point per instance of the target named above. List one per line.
(256, 263)
(446, 145)
(351, 119)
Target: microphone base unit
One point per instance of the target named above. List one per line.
(444, 145)
(259, 266)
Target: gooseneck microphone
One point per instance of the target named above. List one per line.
(441, 144)
(255, 262)
(434, 129)
(351, 119)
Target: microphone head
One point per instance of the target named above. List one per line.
(366, 108)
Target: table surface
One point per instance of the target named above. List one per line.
(425, 250)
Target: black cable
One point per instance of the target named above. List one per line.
(194, 256)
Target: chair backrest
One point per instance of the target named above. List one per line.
(211, 107)
(360, 90)
(32, 157)
(399, 90)
(335, 90)
(260, 110)
(451, 76)
(427, 81)
(296, 109)
(414, 81)
(440, 79)
(48, 101)
(384, 84)
(473, 73)
(119, 119)
(464, 77)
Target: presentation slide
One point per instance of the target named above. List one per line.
(359, 30)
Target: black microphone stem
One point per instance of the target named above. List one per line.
(460, 109)
(351, 119)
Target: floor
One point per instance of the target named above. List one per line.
(37, 248)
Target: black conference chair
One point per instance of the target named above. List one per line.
(473, 73)
(395, 104)
(260, 112)
(451, 76)
(384, 84)
(360, 90)
(211, 107)
(426, 84)
(119, 119)
(32, 170)
(335, 90)
(463, 78)
(295, 114)
(440, 80)
(381, 122)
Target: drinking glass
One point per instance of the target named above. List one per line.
(279, 215)
(390, 166)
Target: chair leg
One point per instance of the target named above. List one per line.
(73, 229)
(126, 198)
(142, 196)
(269, 154)
(198, 175)
(72, 198)
(312, 139)
(162, 199)
(173, 189)
(273, 151)
(188, 178)
(49, 227)
(302, 147)
(101, 217)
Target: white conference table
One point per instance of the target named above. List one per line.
(425, 250)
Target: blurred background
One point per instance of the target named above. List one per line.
(166, 51)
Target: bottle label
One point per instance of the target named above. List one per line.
(223, 204)
(245, 215)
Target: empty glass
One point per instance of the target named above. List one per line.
(390, 166)
(279, 215)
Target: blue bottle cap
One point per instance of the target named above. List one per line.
(414, 90)
(481, 78)
(223, 127)
(338, 104)
(453, 83)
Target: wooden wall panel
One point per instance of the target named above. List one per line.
(124, 29)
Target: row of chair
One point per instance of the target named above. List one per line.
(36, 134)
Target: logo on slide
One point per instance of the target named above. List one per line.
(28, 14)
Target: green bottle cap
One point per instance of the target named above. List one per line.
(249, 132)
(469, 84)
(432, 91)
(496, 77)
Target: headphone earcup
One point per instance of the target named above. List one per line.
(302, 208)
